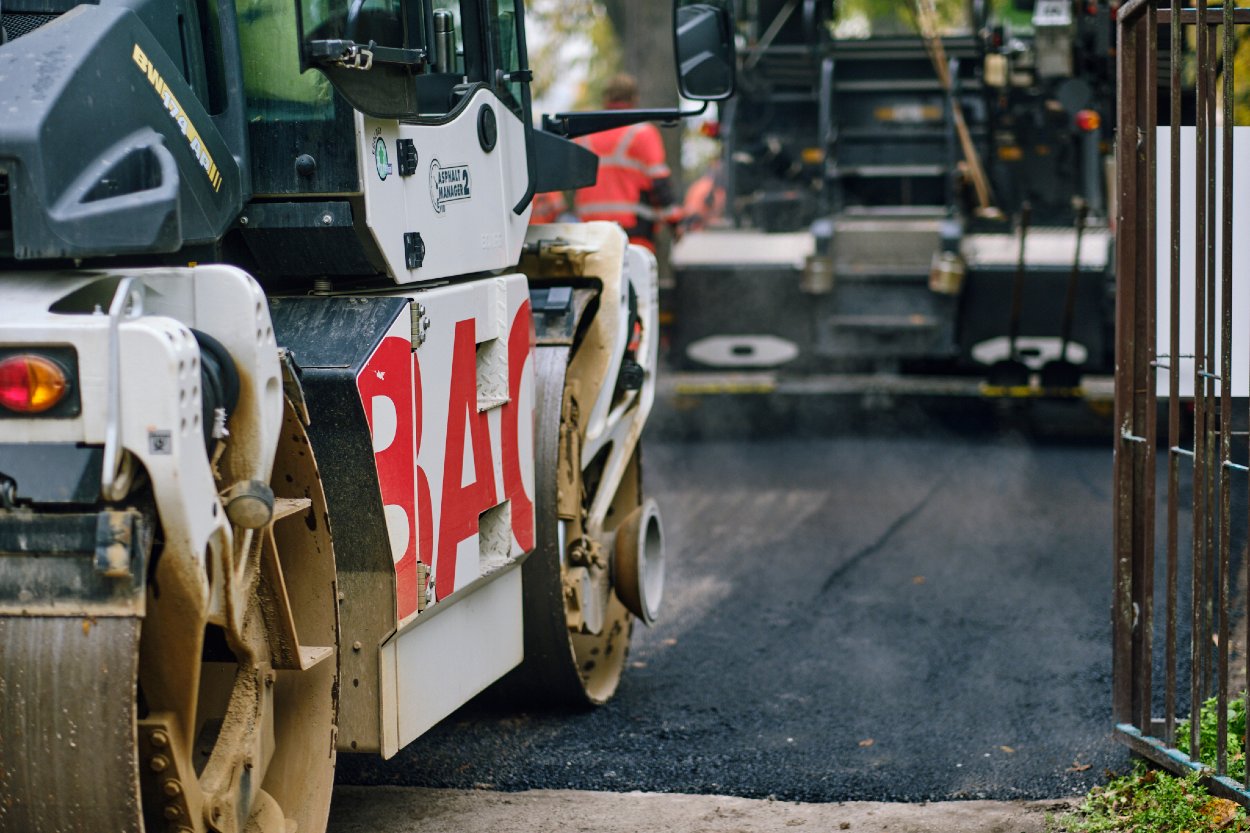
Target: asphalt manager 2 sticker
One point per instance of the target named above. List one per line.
(448, 184)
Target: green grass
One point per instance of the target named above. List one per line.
(1152, 801)
(1208, 735)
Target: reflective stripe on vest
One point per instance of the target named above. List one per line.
(620, 158)
(644, 212)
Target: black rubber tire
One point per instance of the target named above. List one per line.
(559, 670)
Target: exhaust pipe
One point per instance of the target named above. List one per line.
(638, 562)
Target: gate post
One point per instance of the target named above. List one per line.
(1135, 412)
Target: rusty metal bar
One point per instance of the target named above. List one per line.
(1146, 411)
(1128, 222)
(1135, 419)
(1174, 390)
(1198, 625)
(1226, 377)
(1211, 441)
(1190, 16)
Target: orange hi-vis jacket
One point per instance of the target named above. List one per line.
(633, 188)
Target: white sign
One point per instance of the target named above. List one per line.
(1189, 235)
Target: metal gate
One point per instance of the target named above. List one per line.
(1182, 302)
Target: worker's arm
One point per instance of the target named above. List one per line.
(648, 149)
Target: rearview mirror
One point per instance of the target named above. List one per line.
(703, 43)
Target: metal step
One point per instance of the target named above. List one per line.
(888, 244)
(889, 171)
(915, 322)
(904, 85)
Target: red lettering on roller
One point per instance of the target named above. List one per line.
(520, 346)
(388, 377)
(463, 504)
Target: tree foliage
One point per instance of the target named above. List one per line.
(892, 17)
(574, 36)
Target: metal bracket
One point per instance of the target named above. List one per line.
(420, 325)
(355, 57)
(177, 794)
(291, 385)
(414, 249)
(114, 540)
(127, 303)
(406, 151)
(59, 564)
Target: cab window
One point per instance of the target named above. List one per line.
(378, 21)
(422, 57)
(504, 16)
(273, 84)
(290, 113)
(452, 44)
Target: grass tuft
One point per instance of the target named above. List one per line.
(1209, 731)
(1151, 801)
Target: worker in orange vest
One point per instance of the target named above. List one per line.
(634, 186)
(549, 207)
(705, 200)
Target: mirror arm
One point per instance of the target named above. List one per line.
(525, 76)
(573, 125)
(361, 56)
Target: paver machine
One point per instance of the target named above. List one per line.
(916, 186)
(305, 437)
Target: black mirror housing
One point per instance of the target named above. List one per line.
(703, 44)
(706, 56)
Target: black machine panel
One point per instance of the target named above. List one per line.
(138, 164)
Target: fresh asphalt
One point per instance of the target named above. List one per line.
(899, 610)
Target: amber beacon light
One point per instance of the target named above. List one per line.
(1088, 120)
(31, 384)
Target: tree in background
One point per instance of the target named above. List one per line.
(644, 29)
(573, 37)
(898, 17)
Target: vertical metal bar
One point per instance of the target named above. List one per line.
(1174, 376)
(1197, 666)
(1226, 375)
(1130, 153)
(1245, 648)
(1210, 443)
(1145, 409)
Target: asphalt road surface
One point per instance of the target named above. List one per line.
(887, 615)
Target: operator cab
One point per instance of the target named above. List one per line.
(434, 98)
(249, 157)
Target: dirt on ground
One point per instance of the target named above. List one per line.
(417, 810)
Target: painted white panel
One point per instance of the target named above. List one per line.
(460, 199)
(1241, 259)
(442, 661)
(468, 560)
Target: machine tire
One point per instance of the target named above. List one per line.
(267, 704)
(563, 669)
